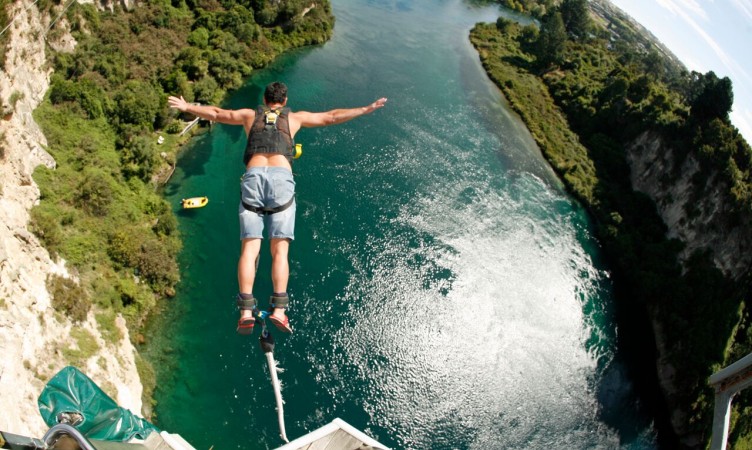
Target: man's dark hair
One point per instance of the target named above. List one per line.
(275, 92)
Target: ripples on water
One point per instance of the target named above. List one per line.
(482, 322)
(465, 326)
(443, 286)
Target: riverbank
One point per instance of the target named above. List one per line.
(663, 254)
(529, 97)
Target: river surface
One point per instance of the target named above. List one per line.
(446, 292)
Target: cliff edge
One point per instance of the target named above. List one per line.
(35, 340)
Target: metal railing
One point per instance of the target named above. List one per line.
(727, 383)
(63, 429)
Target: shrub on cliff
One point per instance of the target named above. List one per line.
(46, 226)
(95, 192)
(82, 347)
(146, 256)
(68, 297)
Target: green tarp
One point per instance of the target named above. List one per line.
(70, 391)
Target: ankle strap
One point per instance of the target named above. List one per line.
(246, 302)
(279, 302)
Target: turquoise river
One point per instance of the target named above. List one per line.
(446, 292)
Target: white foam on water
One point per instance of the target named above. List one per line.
(475, 328)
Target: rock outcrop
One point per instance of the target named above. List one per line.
(33, 337)
(696, 211)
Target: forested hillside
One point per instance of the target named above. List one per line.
(584, 79)
(589, 85)
(101, 209)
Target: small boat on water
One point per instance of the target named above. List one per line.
(195, 202)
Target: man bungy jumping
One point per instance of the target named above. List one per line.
(268, 187)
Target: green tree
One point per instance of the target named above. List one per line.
(247, 32)
(504, 25)
(112, 65)
(551, 41)
(139, 156)
(199, 38)
(206, 90)
(92, 99)
(205, 19)
(267, 16)
(176, 83)
(232, 20)
(85, 93)
(166, 223)
(639, 89)
(192, 62)
(712, 97)
(62, 90)
(576, 17)
(137, 103)
(157, 265)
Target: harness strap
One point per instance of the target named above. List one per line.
(268, 211)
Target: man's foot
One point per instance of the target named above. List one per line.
(282, 323)
(246, 324)
(278, 306)
(247, 305)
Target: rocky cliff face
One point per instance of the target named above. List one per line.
(698, 212)
(33, 337)
(702, 219)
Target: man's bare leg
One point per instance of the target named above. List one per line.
(280, 269)
(249, 250)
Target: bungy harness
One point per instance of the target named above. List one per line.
(270, 133)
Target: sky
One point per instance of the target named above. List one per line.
(706, 35)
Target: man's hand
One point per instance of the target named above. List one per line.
(378, 104)
(178, 103)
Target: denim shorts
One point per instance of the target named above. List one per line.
(267, 187)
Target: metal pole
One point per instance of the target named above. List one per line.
(721, 418)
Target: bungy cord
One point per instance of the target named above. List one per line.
(267, 345)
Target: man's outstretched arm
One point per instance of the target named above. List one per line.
(228, 116)
(335, 116)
